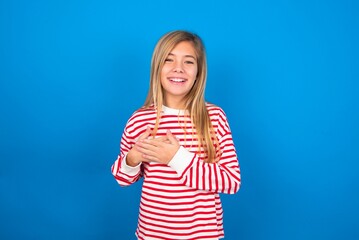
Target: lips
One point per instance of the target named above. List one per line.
(177, 80)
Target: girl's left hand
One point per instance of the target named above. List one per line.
(160, 150)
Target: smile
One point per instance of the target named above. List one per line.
(177, 80)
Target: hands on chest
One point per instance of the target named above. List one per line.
(148, 149)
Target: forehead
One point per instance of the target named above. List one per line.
(184, 48)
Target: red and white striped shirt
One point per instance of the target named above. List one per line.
(181, 200)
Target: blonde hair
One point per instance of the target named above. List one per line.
(194, 101)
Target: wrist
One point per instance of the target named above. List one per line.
(131, 162)
(130, 170)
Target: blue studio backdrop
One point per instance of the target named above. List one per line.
(285, 72)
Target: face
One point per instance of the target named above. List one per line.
(178, 74)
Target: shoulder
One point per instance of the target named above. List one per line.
(141, 115)
(218, 119)
(215, 111)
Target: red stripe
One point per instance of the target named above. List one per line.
(178, 121)
(177, 221)
(137, 120)
(141, 114)
(161, 178)
(197, 237)
(229, 183)
(197, 194)
(163, 117)
(130, 176)
(210, 177)
(166, 190)
(216, 177)
(177, 215)
(222, 181)
(231, 173)
(197, 176)
(163, 171)
(200, 201)
(191, 177)
(174, 209)
(165, 184)
(123, 180)
(179, 228)
(188, 233)
(203, 177)
(189, 166)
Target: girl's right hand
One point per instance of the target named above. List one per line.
(134, 157)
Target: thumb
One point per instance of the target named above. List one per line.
(171, 137)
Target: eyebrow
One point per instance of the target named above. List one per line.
(171, 54)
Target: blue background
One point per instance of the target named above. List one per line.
(285, 72)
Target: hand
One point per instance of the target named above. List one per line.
(160, 150)
(134, 157)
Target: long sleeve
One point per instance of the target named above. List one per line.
(180, 200)
(220, 177)
(124, 174)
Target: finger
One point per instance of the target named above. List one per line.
(171, 137)
(158, 142)
(146, 148)
(161, 139)
(152, 142)
(145, 134)
(154, 145)
(149, 158)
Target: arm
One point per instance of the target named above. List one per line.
(127, 167)
(222, 176)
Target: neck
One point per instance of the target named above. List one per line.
(175, 103)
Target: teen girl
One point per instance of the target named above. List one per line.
(181, 145)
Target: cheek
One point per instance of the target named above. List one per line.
(163, 72)
(195, 73)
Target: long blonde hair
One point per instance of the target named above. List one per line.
(194, 101)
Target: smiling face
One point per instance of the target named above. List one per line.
(178, 74)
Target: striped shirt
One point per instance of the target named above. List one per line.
(180, 200)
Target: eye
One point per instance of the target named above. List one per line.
(189, 62)
(168, 60)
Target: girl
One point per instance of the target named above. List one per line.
(181, 146)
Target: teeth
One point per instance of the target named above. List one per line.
(177, 79)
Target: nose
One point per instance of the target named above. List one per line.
(178, 68)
